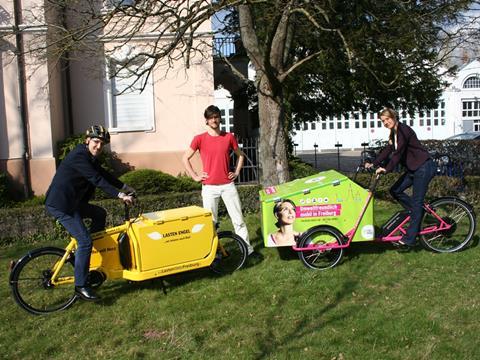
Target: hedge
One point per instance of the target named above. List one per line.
(30, 224)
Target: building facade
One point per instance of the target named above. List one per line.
(458, 111)
(44, 101)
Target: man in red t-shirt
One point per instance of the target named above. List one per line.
(217, 180)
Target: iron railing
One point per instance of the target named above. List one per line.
(227, 47)
(249, 173)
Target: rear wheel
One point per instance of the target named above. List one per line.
(31, 284)
(231, 253)
(456, 213)
(320, 259)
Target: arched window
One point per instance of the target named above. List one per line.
(472, 82)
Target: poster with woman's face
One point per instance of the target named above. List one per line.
(284, 212)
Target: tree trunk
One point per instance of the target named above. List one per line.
(272, 145)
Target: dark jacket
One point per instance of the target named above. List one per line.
(76, 179)
(409, 152)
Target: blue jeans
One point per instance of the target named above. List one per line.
(75, 226)
(419, 180)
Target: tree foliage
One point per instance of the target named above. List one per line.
(319, 56)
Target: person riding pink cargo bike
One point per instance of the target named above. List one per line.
(332, 211)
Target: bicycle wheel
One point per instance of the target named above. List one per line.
(456, 213)
(31, 285)
(231, 253)
(320, 259)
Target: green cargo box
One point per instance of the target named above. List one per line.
(327, 198)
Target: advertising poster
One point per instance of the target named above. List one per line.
(327, 198)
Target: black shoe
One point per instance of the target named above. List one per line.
(86, 293)
(403, 248)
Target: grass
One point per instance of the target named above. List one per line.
(376, 304)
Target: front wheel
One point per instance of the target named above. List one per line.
(459, 215)
(31, 283)
(231, 253)
(320, 259)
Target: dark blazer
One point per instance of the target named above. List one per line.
(409, 152)
(76, 179)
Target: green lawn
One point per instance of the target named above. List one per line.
(376, 304)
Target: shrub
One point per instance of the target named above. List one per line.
(147, 181)
(34, 201)
(299, 169)
(5, 199)
(67, 145)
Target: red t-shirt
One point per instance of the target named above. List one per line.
(215, 155)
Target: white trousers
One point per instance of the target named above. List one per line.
(211, 195)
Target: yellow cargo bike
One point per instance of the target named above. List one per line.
(151, 245)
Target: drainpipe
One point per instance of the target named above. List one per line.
(23, 98)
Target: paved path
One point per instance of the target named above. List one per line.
(347, 162)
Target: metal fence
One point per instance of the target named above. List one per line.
(249, 173)
(226, 46)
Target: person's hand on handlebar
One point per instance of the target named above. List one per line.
(368, 165)
(127, 199)
(380, 170)
(127, 189)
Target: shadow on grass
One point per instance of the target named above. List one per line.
(269, 344)
(115, 289)
(474, 242)
(165, 284)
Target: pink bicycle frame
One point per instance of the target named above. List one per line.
(387, 238)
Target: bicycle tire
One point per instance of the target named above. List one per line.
(236, 253)
(455, 212)
(320, 259)
(31, 286)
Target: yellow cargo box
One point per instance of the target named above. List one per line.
(173, 237)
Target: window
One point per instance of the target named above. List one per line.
(471, 109)
(473, 82)
(129, 108)
(476, 125)
(226, 124)
(313, 125)
(109, 4)
(305, 126)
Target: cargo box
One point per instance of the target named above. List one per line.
(327, 198)
(176, 236)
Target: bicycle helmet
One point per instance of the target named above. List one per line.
(99, 132)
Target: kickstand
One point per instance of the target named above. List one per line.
(164, 288)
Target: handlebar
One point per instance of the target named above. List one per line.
(371, 170)
(127, 206)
